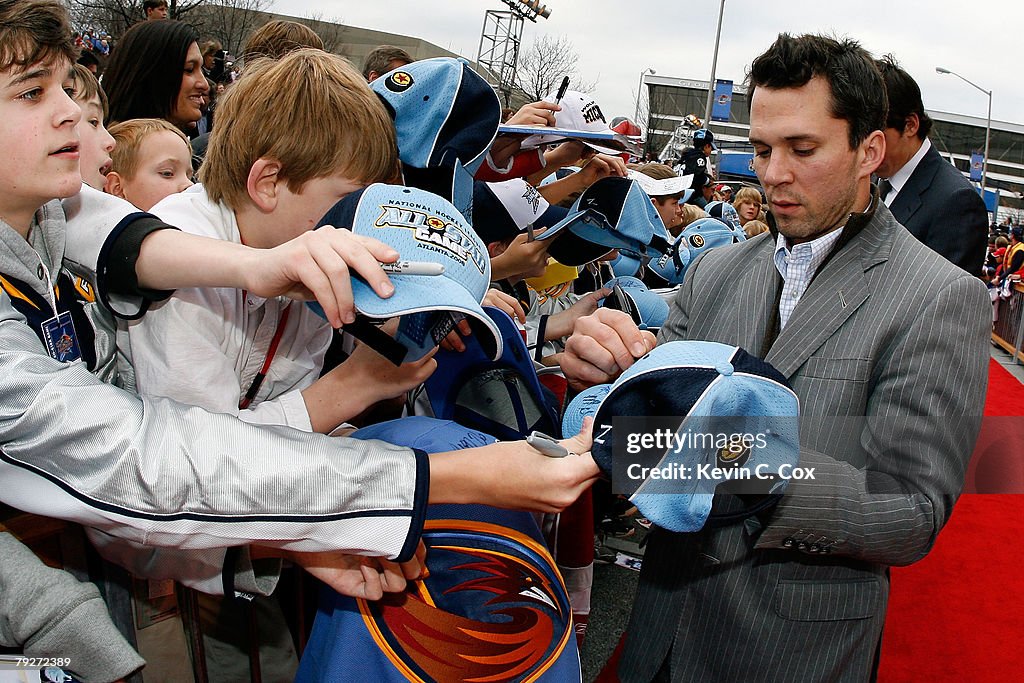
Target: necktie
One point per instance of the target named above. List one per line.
(884, 186)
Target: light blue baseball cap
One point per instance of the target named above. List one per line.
(652, 309)
(446, 118)
(626, 264)
(671, 266)
(726, 212)
(695, 239)
(421, 227)
(585, 404)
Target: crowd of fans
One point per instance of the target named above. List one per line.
(252, 156)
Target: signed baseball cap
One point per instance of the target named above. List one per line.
(421, 227)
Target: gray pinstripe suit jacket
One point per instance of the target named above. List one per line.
(889, 331)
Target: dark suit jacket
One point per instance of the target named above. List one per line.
(939, 207)
(888, 352)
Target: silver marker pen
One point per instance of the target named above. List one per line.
(547, 445)
(413, 268)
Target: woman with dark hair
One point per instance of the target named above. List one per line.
(156, 72)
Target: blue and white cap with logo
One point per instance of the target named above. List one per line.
(713, 393)
(421, 226)
(671, 266)
(446, 118)
(694, 240)
(613, 213)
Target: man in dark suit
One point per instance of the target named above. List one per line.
(891, 381)
(926, 194)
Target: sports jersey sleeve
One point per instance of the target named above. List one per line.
(160, 473)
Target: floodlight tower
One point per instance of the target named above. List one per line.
(500, 38)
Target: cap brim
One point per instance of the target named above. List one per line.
(603, 149)
(572, 250)
(553, 230)
(411, 291)
(661, 187)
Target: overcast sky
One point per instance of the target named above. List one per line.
(616, 40)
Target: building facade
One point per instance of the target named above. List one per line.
(955, 136)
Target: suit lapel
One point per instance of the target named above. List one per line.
(838, 290)
(908, 201)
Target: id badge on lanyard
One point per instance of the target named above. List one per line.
(60, 338)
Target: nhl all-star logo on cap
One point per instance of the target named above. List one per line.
(703, 388)
(421, 227)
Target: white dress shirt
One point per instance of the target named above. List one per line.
(900, 177)
(204, 346)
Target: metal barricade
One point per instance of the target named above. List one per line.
(1008, 330)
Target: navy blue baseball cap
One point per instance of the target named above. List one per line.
(613, 213)
(704, 137)
(502, 397)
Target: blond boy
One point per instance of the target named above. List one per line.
(152, 159)
(270, 174)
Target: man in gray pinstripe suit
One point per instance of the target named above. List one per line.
(884, 342)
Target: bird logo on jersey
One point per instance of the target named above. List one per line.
(399, 81)
(493, 608)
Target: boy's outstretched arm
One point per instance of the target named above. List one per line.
(131, 254)
(161, 473)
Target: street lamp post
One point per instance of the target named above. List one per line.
(639, 91)
(714, 65)
(988, 124)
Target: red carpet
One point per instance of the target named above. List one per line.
(957, 615)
